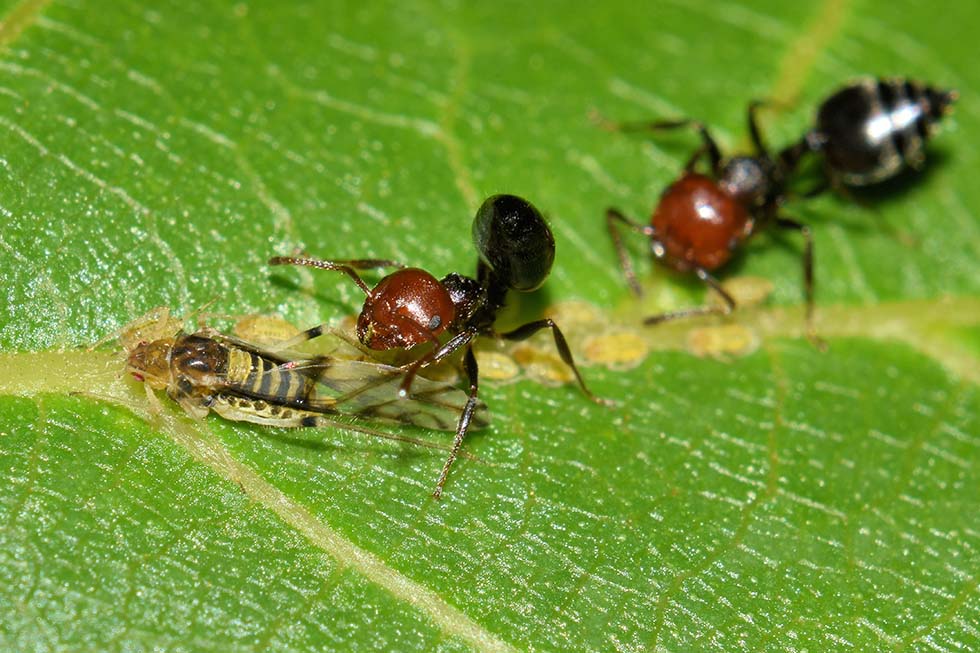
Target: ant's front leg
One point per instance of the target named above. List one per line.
(473, 375)
(614, 216)
(434, 356)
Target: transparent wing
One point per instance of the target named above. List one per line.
(371, 389)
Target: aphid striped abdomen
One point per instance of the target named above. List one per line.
(240, 381)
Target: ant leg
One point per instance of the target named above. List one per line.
(692, 161)
(434, 356)
(788, 223)
(817, 190)
(345, 266)
(754, 132)
(612, 217)
(526, 331)
(473, 375)
(710, 146)
(789, 157)
(712, 283)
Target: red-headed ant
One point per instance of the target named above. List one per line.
(411, 307)
(702, 220)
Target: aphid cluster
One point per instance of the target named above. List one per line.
(865, 133)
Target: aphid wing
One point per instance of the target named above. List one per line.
(231, 341)
(371, 390)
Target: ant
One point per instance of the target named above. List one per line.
(872, 129)
(410, 307)
(701, 220)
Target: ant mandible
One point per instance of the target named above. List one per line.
(871, 130)
(410, 306)
(701, 220)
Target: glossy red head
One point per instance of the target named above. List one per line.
(698, 224)
(406, 308)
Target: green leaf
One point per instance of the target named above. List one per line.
(771, 497)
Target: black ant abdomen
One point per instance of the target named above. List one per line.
(871, 130)
(514, 240)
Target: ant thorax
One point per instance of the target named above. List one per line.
(749, 179)
(468, 295)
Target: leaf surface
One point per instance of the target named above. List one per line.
(774, 497)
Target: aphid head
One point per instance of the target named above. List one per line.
(149, 362)
(406, 308)
(513, 239)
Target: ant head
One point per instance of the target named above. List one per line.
(149, 362)
(406, 308)
(514, 241)
(698, 224)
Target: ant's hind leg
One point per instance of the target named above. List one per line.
(529, 329)
(712, 283)
(788, 223)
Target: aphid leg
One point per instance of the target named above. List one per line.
(348, 267)
(712, 283)
(412, 369)
(527, 330)
(789, 223)
(612, 217)
(153, 404)
(473, 374)
(155, 324)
